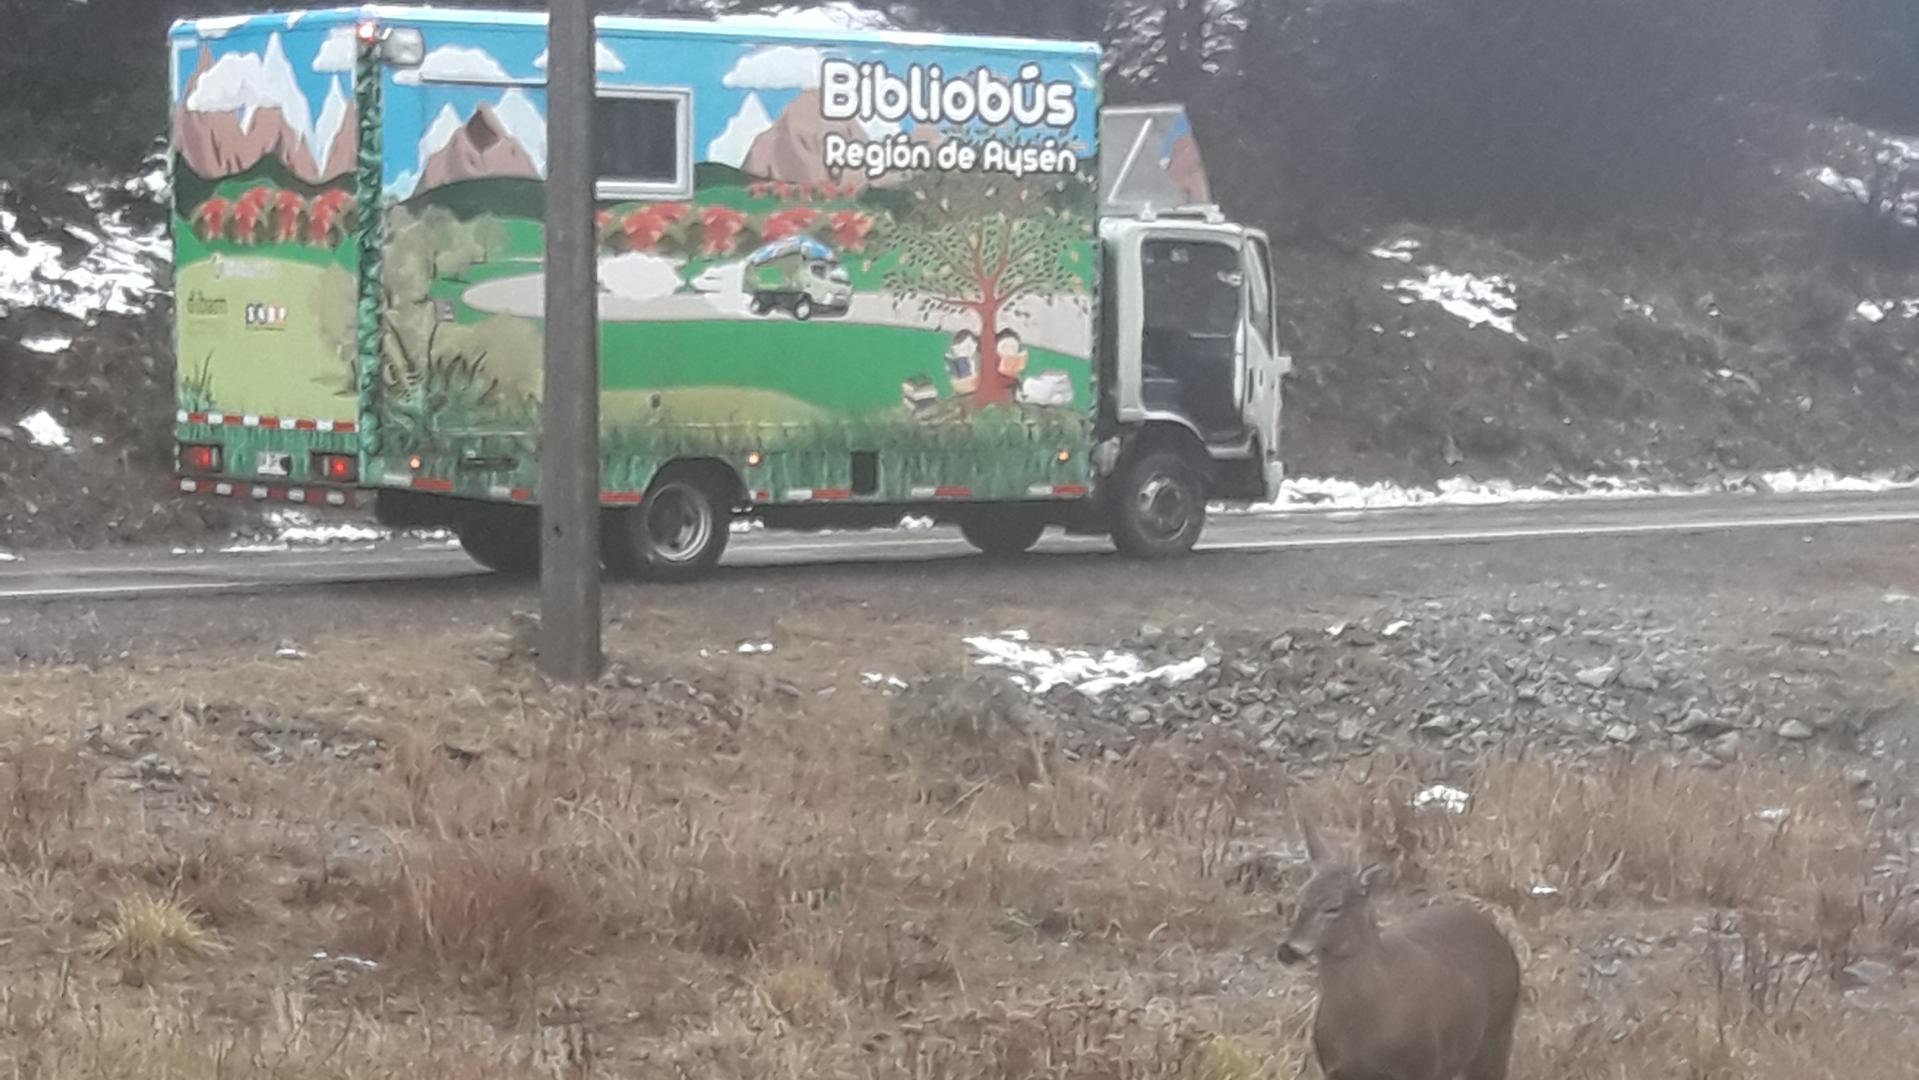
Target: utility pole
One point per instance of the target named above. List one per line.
(570, 613)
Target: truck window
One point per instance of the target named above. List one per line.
(1192, 287)
(642, 143)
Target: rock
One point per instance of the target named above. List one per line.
(1622, 733)
(1724, 747)
(1150, 635)
(1597, 678)
(1349, 730)
(1796, 730)
(1699, 723)
(1338, 691)
(1440, 725)
(1859, 777)
(1868, 973)
(1638, 678)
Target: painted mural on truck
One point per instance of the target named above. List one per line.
(805, 250)
(265, 139)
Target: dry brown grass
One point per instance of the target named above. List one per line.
(797, 897)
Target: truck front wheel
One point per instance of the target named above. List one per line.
(505, 540)
(1159, 506)
(1003, 534)
(677, 534)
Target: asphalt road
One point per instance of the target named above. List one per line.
(159, 573)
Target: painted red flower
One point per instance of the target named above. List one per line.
(850, 228)
(643, 229)
(211, 218)
(670, 212)
(288, 207)
(602, 220)
(784, 191)
(720, 228)
(759, 189)
(327, 216)
(249, 210)
(787, 223)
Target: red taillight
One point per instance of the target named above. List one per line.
(200, 459)
(368, 32)
(339, 468)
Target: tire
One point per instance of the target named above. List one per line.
(1159, 506)
(761, 305)
(676, 535)
(1005, 534)
(803, 308)
(506, 542)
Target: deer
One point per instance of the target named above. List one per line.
(1433, 997)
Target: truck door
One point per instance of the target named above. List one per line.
(1191, 340)
(1265, 365)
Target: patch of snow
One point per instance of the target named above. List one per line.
(8, 556)
(880, 679)
(1773, 815)
(1038, 669)
(44, 431)
(834, 15)
(332, 119)
(1543, 890)
(1397, 251)
(1479, 301)
(1849, 186)
(1329, 494)
(749, 648)
(1870, 312)
(47, 344)
(1450, 799)
(113, 276)
(293, 527)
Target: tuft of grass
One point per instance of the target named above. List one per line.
(148, 928)
(496, 913)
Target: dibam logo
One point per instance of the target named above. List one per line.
(266, 316)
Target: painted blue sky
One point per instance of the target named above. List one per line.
(722, 71)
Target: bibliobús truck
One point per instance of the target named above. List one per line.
(843, 278)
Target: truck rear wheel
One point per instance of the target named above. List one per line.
(505, 541)
(803, 309)
(677, 533)
(1159, 506)
(1003, 534)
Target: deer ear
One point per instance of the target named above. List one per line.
(1315, 848)
(1370, 876)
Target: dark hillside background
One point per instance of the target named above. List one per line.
(1526, 239)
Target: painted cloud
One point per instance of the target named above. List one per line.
(337, 52)
(604, 61)
(781, 67)
(455, 63)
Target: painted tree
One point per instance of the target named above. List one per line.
(982, 253)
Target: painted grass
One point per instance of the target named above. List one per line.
(299, 370)
(846, 368)
(189, 249)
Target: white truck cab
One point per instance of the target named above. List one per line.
(1189, 332)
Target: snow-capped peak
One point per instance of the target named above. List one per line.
(332, 119)
(247, 82)
(523, 121)
(733, 144)
(446, 124)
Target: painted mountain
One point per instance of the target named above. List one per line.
(793, 148)
(481, 147)
(246, 108)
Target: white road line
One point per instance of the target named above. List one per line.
(1549, 532)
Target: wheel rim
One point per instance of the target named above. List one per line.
(679, 525)
(1165, 507)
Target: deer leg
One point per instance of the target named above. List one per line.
(1495, 1052)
